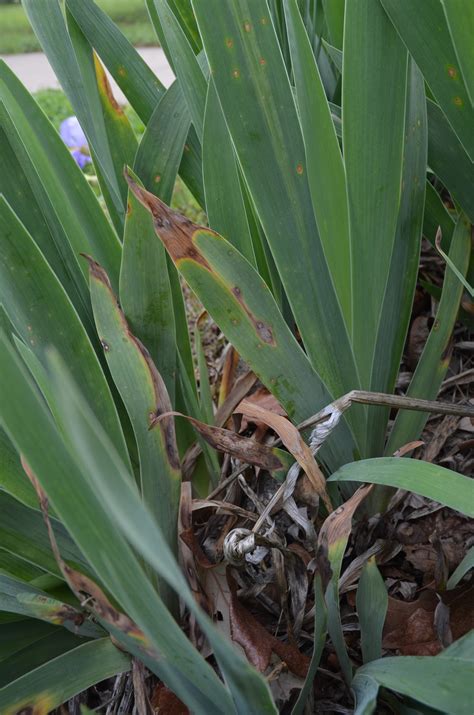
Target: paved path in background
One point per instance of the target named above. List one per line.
(34, 70)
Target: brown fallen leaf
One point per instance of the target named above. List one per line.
(256, 641)
(165, 702)
(410, 625)
(293, 441)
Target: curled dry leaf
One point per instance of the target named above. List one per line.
(226, 441)
(293, 441)
(264, 399)
(241, 387)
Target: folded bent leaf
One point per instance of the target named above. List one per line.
(429, 480)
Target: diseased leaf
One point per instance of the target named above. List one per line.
(90, 460)
(47, 687)
(242, 305)
(145, 397)
(232, 443)
(258, 104)
(460, 17)
(332, 543)
(147, 302)
(20, 597)
(424, 31)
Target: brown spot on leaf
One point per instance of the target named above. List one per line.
(299, 169)
(452, 72)
(264, 331)
(157, 179)
(458, 101)
(247, 26)
(229, 42)
(235, 74)
(262, 61)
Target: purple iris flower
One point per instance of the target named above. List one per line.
(73, 136)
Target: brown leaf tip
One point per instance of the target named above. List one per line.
(96, 271)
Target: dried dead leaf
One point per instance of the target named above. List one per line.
(232, 443)
(293, 441)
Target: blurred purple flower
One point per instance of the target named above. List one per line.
(73, 136)
(81, 159)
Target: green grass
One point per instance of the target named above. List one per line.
(131, 16)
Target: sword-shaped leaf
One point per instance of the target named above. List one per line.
(326, 173)
(434, 360)
(257, 100)
(397, 303)
(69, 205)
(17, 596)
(373, 121)
(225, 206)
(429, 480)
(90, 460)
(43, 316)
(424, 30)
(75, 71)
(145, 291)
(145, 397)
(460, 18)
(448, 159)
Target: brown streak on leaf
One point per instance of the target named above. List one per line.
(263, 331)
(86, 591)
(243, 384)
(104, 86)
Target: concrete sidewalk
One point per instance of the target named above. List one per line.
(35, 72)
